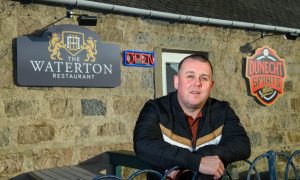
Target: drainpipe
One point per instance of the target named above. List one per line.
(171, 16)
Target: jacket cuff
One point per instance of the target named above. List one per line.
(193, 162)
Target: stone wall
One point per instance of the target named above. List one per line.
(43, 127)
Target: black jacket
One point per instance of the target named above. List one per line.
(163, 139)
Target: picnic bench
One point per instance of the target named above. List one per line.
(116, 160)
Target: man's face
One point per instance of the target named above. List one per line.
(193, 83)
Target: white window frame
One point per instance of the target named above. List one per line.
(170, 57)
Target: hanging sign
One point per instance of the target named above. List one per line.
(67, 55)
(138, 58)
(266, 72)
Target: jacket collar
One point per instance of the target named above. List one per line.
(179, 108)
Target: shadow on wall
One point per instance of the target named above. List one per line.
(244, 61)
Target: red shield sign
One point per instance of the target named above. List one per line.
(266, 72)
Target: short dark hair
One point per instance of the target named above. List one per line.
(198, 57)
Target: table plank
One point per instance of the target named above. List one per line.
(80, 172)
(63, 173)
(48, 174)
(38, 175)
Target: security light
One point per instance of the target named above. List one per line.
(291, 36)
(83, 19)
(86, 20)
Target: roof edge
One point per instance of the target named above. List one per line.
(172, 16)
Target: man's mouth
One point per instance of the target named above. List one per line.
(195, 92)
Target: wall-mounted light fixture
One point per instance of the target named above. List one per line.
(287, 35)
(291, 36)
(86, 20)
(83, 19)
(263, 34)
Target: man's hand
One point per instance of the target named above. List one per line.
(212, 165)
(172, 175)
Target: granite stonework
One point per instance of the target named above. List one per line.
(44, 127)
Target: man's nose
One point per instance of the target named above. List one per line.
(197, 82)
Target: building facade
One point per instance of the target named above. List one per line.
(44, 127)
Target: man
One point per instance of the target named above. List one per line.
(189, 129)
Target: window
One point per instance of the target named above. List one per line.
(170, 62)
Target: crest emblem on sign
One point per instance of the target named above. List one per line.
(266, 72)
(73, 43)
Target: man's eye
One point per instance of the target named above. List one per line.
(190, 76)
(204, 78)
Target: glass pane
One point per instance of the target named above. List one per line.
(171, 70)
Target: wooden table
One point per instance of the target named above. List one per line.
(63, 173)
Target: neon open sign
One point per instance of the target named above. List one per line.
(139, 58)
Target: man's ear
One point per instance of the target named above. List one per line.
(212, 83)
(176, 81)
